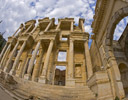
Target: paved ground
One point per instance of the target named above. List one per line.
(4, 95)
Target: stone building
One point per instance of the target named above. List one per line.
(110, 67)
(31, 66)
(32, 55)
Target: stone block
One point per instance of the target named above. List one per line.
(70, 82)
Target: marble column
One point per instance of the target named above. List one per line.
(28, 28)
(2, 53)
(70, 78)
(20, 69)
(13, 70)
(43, 76)
(37, 66)
(88, 60)
(34, 29)
(84, 76)
(6, 69)
(82, 25)
(19, 33)
(72, 23)
(58, 26)
(50, 23)
(31, 63)
(4, 56)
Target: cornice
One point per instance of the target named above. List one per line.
(99, 13)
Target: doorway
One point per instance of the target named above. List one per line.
(60, 75)
(124, 77)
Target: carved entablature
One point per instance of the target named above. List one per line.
(99, 13)
(12, 40)
(47, 35)
(66, 19)
(77, 29)
(28, 23)
(79, 35)
(43, 23)
(28, 38)
(46, 19)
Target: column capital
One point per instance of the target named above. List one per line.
(52, 39)
(85, 41)
(71, 40)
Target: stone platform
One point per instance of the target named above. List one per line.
(28, 90)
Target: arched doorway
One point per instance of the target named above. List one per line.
(124, 77)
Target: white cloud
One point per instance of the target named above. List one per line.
(15, 12)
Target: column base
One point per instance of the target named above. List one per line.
(18, 74)
(27, 76)
(5, 69)
(42, 79)
(12, 72)
(70, 82)
(35, 79)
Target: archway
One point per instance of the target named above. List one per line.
(60, 73)
(115, 19)
(118, 16)
(124, 77)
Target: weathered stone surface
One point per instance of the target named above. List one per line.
(30, 69)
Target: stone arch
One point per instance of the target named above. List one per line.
(116, 18)
(122, 61)
(120, 14)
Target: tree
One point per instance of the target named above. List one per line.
(2, 40)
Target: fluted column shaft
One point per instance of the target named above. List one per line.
(46, 62)
(6, 69)
(12, 72)
(88, 60)
(4, 56)
(58, 26)
(20, 32)
(82, 25)
(48, 26)
(72, 26)
(37, 66)
(2, 53)
(34, 29)
(28, 28)
(71, 60)
(31, 63)
(70, 81)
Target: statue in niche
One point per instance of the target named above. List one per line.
(78, 72)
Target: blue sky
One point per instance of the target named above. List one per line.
(15, 12)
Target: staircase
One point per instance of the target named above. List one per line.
(28, 89)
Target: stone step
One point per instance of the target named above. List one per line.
(53, 92)
(21, 95)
